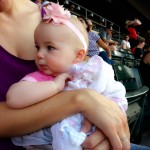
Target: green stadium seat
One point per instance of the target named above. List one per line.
(129, 59)
(136, 95)
(117, 57)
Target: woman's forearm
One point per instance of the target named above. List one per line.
(102, 112)
(105, 47)
(22, 121)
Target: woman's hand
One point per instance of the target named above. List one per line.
(96, 140)
(107, 117)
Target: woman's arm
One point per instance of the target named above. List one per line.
(113, 122)
(104, 113)
(97, 140)
(105, 47)
(26, 93)
(41, 115)
(112, 42)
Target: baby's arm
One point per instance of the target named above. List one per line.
(25, 93)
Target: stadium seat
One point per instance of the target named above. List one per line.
(136, 95)
(137, 62)
(129, 59)
(117, 57)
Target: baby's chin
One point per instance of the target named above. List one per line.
(49, 73)
(46, 72)
(55, 74)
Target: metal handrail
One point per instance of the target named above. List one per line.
(88, 14)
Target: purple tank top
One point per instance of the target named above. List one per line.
(12, 70)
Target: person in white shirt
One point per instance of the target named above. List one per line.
(125, 44)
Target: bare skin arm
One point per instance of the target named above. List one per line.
(112, 128)
(105, 40)
(25, 93)
(105, 47)
(109, 41)
(29, 119)
(104, 113)
(113, 42)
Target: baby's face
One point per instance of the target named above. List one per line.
(55, 50)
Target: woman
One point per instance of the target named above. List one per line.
(17, 55)
(96, 43)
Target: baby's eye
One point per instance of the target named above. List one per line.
(37, 47)
(50, 48)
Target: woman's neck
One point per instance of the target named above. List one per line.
(17, 7)
(26, 16)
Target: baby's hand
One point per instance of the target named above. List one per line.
(61, 79)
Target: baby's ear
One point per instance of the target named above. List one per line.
(80, 54)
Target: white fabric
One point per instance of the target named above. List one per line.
(101, 49)
(66, 134)
(127, 43)
(96, 75)
(99, 76)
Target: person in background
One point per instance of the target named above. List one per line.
(138, 51)
(147, 40)
(95, 41)
(145, 62)
(125, 44)
(145, 74)
(106, 36)
(130, 26)
(58, 60)
(72, 7)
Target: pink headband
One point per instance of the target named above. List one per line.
(56, 14)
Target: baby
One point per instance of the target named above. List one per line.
(61, 42)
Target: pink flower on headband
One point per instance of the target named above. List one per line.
(56, 13)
